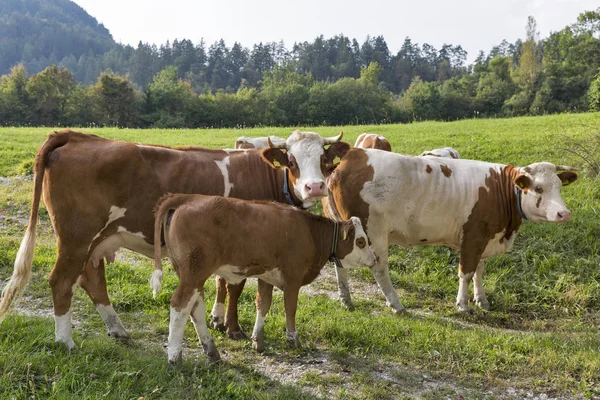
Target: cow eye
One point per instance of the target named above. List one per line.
(292, 164)
(539, 190)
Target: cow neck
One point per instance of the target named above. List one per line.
(288, 195)
(322, 231)
(514, 212)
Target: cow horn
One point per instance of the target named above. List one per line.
(281, 145)
(334, 139)
(565, 168)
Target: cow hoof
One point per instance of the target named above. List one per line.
(122, 337)
(349, 304)
(176, 361)
(463, 309)
(237, 335)
(483, 304)
(258, 343)
(293, 343)
(211, 351)
(217, 324)
(399, 310)
(68, 346)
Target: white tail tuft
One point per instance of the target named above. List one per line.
(21, 273)
(156, 282)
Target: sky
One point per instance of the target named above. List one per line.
(474, 24)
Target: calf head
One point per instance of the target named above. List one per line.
(353, 246)
(540, 184)
(305, 155)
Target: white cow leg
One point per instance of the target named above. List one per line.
(462, 300)
(199, 321)
(264, 297)
(178, 319)
(381, 273)
(218, 310)
(480, 297)
(344, 288)
(63, 330)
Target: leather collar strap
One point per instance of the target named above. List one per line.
(333, 258)
(286, 188)
(518, 194)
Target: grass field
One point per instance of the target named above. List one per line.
(539, 340)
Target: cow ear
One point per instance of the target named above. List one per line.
(523, 182)
(349, 231)
(338, 149)
(275, 157)
(567, 177)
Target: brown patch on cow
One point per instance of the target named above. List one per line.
(344, 187)
(423, 240)
(428, 169)
(453, 155)
(537, 203)
(495, 211)
(445, 170)
(373, 141)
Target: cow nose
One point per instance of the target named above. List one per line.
(563, 216)
(315, 188)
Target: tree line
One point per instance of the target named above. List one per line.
(328, 81)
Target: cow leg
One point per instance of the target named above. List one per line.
(199, 321)
(182, 302)
(290, 297)
(344, 288)
(469, 262)
(218, 311)
(480, 297)
(234, 331)
(264, 296)
(93, 281)
(63, 280)
(381, 273)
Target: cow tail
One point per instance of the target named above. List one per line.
(165, 204)
(22, 267)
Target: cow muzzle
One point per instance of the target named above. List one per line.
(563, 216)
(315, 189)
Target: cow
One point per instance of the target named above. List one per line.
(100, 196)
(372, 141)
(258, 143)
(446, 152)
(471, 206)
(237, 239)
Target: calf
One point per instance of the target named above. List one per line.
(472, 206)
(372, 141)
(446, 152)
(236, 239)
(258, 143)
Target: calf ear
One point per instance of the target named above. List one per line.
(349, 231)
(523, 182)
(338, 149)
(567, 177)
(275, 157)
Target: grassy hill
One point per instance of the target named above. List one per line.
(539, 338)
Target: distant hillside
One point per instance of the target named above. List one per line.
(39, 33)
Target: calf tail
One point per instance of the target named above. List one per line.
(165, 204)
(22, 267)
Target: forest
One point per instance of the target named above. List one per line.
(61, 68)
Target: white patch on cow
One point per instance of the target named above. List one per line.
(114, 214)
(259, 324)
(63, 330)
(229, 151)
(231, 273)
(359, 257)
(498, 245)
(307, 148)
(111, 320)
(462, 299)
(273, 277)
(177, 322)
(226, 182)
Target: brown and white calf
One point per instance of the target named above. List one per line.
(446, 152)
(472, 206)
(257, 143)
(372, 141)
(100, 195)
(236, 239)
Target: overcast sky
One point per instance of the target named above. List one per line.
(474, 24)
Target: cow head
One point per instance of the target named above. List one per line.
(353, 245)
(305, 155)
(541, 183)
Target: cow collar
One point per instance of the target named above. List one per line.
(286, 190)
(518, 192)
(333, 258)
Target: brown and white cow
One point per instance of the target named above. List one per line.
(472, 206)
(372, 141)
(238, 239)
(257, 143)
(446, 152)
(100, 196)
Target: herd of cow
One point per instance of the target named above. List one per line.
(239, 213)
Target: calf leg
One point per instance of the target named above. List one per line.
(480, 297)
(183, 300)
(199, 321)
(218, 311)
(290, 297)
(234, 331)
(344, 288)
(264, 296)
(93, 281)
(63, 280)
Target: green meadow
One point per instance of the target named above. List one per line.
(540, 339)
